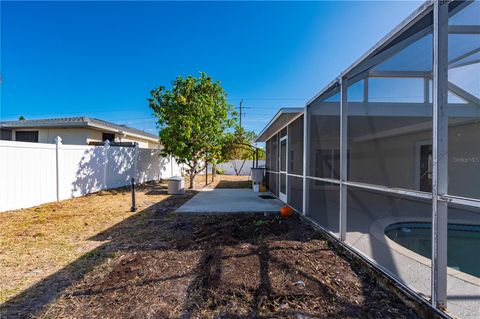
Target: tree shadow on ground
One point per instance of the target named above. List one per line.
(234, 184)
(262, 300)
(127, 235)
(161, 264)
(158, 190)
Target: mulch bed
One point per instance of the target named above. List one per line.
(162, 265)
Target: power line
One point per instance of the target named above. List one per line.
(241, 104)
(268, 99)
(264, 107)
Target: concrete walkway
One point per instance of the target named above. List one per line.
(234, 200)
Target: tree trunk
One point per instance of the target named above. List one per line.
(214, 171)
(206, 173)
(234, 165)
(192, 178)
(192, 174)
(241, 167)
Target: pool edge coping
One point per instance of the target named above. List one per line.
(380, 275)
(377, 230)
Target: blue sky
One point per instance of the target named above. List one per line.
(101, 59)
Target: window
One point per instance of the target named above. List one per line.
(5, 135)
(108, 137)
(26, 136)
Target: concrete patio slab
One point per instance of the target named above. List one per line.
(236, 200)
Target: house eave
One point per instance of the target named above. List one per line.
(283, 117)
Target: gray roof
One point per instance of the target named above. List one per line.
(283, 117)
(78, 121)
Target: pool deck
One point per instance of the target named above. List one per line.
(463, 290)
(367, 217)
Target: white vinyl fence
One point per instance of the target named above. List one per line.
(228, 167)
(36, 173)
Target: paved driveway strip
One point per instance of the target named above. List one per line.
(236, 200)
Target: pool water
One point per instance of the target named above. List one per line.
(463, 243)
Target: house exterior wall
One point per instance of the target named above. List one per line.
(397, 161)
(141, 143)
(75, 136)
(386, 167)
(153, 145)
(81, 136)
(294, 164)
(96, 136)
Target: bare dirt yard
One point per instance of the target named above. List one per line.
(90, 258)
(221, 181)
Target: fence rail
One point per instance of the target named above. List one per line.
(36, 173)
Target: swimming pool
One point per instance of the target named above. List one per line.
(463, 243)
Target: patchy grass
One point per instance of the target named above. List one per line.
(36, 242)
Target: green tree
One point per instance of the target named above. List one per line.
(239, 146)
(21, 118)
(193, 117)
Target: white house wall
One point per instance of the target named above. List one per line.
(141, 143)
(82, 136)
(76, 136)
(94, 135)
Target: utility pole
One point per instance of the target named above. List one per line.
(241, 111)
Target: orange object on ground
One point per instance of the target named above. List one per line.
(286, 211)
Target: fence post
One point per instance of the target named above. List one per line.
(134, 204)
(135, 160)
(106, 146)
(58, 145)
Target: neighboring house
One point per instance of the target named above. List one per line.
(75, 130)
